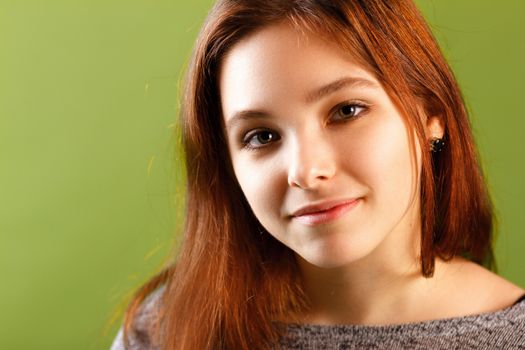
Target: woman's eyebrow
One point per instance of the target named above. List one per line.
(339, 84)
(248, 114)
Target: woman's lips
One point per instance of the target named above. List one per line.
(320, 214)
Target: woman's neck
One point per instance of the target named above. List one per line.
(365, 295)
(384, 287)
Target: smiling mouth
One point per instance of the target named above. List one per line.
(312, 216)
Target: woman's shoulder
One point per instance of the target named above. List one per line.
(480, 289)
(146, 319)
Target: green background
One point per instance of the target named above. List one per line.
(89, 177)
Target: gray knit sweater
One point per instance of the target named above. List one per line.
(504, 329)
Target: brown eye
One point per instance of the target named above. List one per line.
(264, 137)
(260, 138)
(348, 111)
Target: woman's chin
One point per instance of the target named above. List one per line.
(333, 257)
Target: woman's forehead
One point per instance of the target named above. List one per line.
(281, 60)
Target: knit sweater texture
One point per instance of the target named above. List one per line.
(503, 329)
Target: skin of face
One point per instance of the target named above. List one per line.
(320, 151)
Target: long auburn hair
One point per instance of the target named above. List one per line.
(231, 280)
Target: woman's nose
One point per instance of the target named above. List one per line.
(312, 163)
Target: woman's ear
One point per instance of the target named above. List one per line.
(435, 127)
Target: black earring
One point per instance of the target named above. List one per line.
(436, 145)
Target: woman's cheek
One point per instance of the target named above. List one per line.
(261, 181)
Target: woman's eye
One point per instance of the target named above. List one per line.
(259, 138)
(348, 111)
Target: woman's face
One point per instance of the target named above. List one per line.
(318, 148)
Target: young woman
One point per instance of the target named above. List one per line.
(334, 197)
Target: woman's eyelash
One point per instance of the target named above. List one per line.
(259, 138)
(348, 110)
